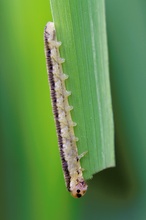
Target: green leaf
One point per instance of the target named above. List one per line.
(80, 26)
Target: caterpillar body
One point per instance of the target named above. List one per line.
(73, 173)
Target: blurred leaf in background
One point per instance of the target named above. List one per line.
(32, 184)
(29, 160)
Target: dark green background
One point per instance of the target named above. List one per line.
(32, 184)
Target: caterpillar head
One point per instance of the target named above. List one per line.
(79, 189)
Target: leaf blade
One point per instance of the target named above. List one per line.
(80, 25)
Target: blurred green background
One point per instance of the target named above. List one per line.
(32, 184)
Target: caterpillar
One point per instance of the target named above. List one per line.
(73, 173)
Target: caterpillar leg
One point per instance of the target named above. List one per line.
(82, 155)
